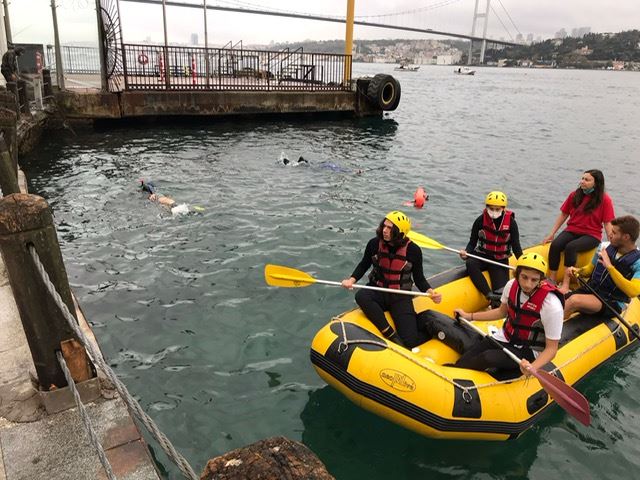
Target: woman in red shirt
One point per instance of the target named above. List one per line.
(588, 208)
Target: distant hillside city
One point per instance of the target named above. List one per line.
(581, 49)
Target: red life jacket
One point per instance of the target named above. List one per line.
(391, 270)
(495, 243)
(522, 325)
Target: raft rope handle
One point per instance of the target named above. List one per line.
(344, 345)
(601, 341)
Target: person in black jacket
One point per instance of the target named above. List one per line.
(494, 235)
(397, 264)
(9, 65)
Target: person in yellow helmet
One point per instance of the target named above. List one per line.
(533, 312)
(494, 235)
(397, 264)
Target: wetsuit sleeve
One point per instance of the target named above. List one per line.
(473, 238)
(631, 288)
(414, 255)
(365, 263)
(587, 270)
(515, 239)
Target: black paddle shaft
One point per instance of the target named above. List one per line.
(615, 312)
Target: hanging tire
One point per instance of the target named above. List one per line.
(384, 92)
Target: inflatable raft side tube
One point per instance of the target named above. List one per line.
(414, 412)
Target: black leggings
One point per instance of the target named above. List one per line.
(486, 354)
(572, 244)
(374, 304)
(498, 275)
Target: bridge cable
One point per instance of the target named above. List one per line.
(502, 23)
(511, 19)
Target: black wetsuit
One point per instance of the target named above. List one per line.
(148, 187)
(498, 275)
(9, 65)
(374, 303)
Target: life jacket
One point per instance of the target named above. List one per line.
(495, 242)
(391, 270)
(601, 280)
(522, 325)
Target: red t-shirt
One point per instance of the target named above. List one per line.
(588, 223)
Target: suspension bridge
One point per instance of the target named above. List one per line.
(251, 10)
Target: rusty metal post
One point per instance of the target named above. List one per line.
(46, 83)
(27, 220)
(8, 174)
(23, 101)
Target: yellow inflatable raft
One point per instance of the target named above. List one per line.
(420, 392)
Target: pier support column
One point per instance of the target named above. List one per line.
(27, 220)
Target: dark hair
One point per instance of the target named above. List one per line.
(397, 239)
(596, 196)
(519, 269)
(629, 225)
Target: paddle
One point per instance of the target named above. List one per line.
(426, 242)
(279, 276)
(613, 310)
(565, 395)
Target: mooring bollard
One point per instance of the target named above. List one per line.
(8, 175)
(27, 220)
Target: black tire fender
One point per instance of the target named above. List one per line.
(384, 92)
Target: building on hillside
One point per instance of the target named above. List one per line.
(583, 51)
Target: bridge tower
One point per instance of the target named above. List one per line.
(477, 16)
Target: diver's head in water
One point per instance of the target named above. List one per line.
(147, 186)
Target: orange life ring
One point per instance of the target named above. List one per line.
(143, 59)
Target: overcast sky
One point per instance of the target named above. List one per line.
(31, 19)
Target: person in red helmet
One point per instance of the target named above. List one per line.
(397, 264)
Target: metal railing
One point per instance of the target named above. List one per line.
(75, 60)
(152, 67)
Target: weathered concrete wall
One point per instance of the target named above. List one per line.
(95, 105)
(91, 105)
(136, 104)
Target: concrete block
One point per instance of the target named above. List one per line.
(60, 399)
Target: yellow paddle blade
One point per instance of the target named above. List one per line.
(279, 276)
(424, 241)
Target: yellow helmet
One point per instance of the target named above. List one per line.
(534, 261)
(400, 220)
(496, 199)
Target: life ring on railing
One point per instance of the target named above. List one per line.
(143, 59)
(384, 92)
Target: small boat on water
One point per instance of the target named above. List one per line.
(421, 390)
(405, 67)
(464, 71)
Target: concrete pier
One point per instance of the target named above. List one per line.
(34, 444)
(93, 105)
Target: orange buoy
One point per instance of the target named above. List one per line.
(420, 197)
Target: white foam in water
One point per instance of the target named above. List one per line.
(181, 209)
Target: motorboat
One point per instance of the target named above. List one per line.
(464, 71)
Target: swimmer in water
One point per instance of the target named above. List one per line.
(154, 196)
